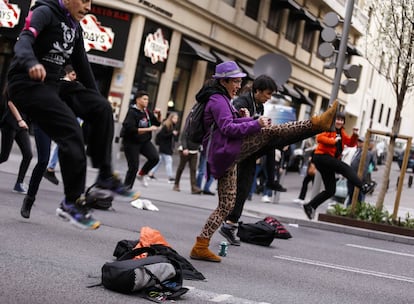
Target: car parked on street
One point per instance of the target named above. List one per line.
(410, 164)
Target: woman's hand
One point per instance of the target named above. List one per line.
(244, 112)
(264, 121)
(22, 124)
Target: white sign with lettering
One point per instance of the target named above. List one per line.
(9, 14)
(156, 47)
(96, 36)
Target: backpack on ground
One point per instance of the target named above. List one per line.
(281, 231)
(259, 233)
(153, 277)
(125, 248)
(98, 198)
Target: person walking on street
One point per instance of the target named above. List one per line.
(188, 154)
(309, 177)
(50, 39)
(165, 139)
(355, 160)
(236, 137)
(137, 130)
(14, 127)
(201, 174)
(327, 159)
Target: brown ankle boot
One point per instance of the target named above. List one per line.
(200, 251)
(325, 121)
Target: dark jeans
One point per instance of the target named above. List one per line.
(21, 136)
(191, 158)
(306, 180)
(58, 119)
(327, 167)
(43, 151)
(132, 152)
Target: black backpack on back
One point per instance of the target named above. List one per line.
(194, 123)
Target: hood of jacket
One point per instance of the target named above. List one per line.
(207, 91)
(57, 8)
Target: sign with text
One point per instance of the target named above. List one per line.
(9, 14)
(156, 47)
(96, 36)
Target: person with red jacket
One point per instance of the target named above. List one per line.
(327, 159)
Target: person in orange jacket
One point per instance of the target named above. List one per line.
(327, 159)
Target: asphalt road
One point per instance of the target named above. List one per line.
(47, 260)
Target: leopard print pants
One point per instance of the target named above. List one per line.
(278, 135)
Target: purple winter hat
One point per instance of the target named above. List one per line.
(228, 69)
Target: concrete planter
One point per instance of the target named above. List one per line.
(347, 221)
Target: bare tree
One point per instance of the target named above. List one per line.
(390, 40)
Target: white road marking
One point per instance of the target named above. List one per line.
(347, 268)
(381, 250)
(213, 297)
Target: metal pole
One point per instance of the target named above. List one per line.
(338, 73)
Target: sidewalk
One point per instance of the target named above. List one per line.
(282, 207)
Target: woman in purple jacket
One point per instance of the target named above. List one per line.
(234, 137)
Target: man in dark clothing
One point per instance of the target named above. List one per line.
(262, 89)
(51, 39)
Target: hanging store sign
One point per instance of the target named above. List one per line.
(96, 36)
(156, 47)
(9, 14)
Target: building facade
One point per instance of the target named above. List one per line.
(170, 47)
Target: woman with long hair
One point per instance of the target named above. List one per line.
(165, 139)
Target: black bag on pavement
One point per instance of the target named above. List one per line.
(98, 198)
(125, 248)
(155, 274)
(281, 231)
(259, 233)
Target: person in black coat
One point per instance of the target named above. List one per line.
(137, 130)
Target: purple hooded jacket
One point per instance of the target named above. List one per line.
(228, 132)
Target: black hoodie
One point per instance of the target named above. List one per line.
(53, 38)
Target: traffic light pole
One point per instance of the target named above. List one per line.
(338, 73)
(342, 51)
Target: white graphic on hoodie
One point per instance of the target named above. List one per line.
(62, 50)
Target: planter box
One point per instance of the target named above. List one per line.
(343, 220)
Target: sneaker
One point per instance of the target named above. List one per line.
(176, 188)
(309, 211)
(368, 187)
(114, 184)
(143, 180)
(51, 177)
(20, 188)
(152, 177)
(266, 199)
(299, 201)
(77, 215)
(171, 180)
(275, 186)
(229, 233)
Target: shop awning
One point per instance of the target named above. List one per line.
(194, 49)
(247, 69)
(304, 98)
(290, 91)
(221, 57)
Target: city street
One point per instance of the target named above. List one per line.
(47, 260)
